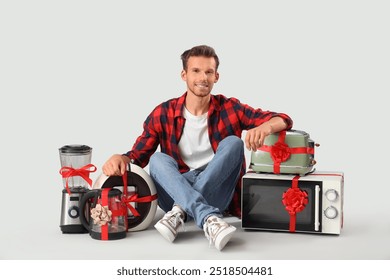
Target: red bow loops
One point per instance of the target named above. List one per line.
(134, 198)
(126, 199)
(281, 152)
(295, 201)
(68, 172)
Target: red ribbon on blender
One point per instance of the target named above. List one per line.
(281, 152)
(134, 198)
(294, 200)
(83, 172)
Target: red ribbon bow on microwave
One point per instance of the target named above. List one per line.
(295, 201)
(83, 172)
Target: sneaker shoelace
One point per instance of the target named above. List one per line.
(213, 228)
(175, 220)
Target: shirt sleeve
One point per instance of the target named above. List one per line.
(146, 144)
(251, 117)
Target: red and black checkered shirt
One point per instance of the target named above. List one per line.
(226, 116)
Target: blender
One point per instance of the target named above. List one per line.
(75, 168)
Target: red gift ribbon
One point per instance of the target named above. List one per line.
(114, 212)
(104, 228)
(83, 172)
(295, 201)
(134, 198)
(281, 152)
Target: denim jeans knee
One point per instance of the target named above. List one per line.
(233, 143)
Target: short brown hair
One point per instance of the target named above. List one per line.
(201, 50)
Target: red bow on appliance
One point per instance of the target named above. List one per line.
(83, 172)
(295, 201)
(134, 198)
(281, 152)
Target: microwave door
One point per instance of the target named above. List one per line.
(263, 207)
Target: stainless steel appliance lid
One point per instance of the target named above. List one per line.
(296, 132)
(75, 149)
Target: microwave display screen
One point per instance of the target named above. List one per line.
(263, 206)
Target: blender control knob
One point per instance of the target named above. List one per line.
(331, 195)
(74, 212)
(331, 212)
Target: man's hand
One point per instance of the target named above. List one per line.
(116, 165)
(254, 138)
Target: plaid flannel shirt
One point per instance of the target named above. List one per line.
(226, 116)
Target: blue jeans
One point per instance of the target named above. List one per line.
(200, 193)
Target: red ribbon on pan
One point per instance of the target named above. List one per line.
(295, 201)
(83, 172)
(281, 152)
(134, 198)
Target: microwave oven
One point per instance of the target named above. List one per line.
(278, 202)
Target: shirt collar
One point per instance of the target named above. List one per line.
(214, 105)
(180, 105)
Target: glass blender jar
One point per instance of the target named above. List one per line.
(75, 156)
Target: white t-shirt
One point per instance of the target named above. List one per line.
(194, 145)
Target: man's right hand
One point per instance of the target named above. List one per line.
(116, 165)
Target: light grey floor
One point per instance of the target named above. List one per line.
(360, 239)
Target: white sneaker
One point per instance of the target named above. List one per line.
(169, 225)
(218, 232)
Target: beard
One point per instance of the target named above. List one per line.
(200, 91)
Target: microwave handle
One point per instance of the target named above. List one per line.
(317, 209)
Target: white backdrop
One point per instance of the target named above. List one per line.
(89, 72)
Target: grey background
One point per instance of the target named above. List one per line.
(89, 72)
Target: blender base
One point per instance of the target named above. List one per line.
(73, 229)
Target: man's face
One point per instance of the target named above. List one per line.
(200, 76)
